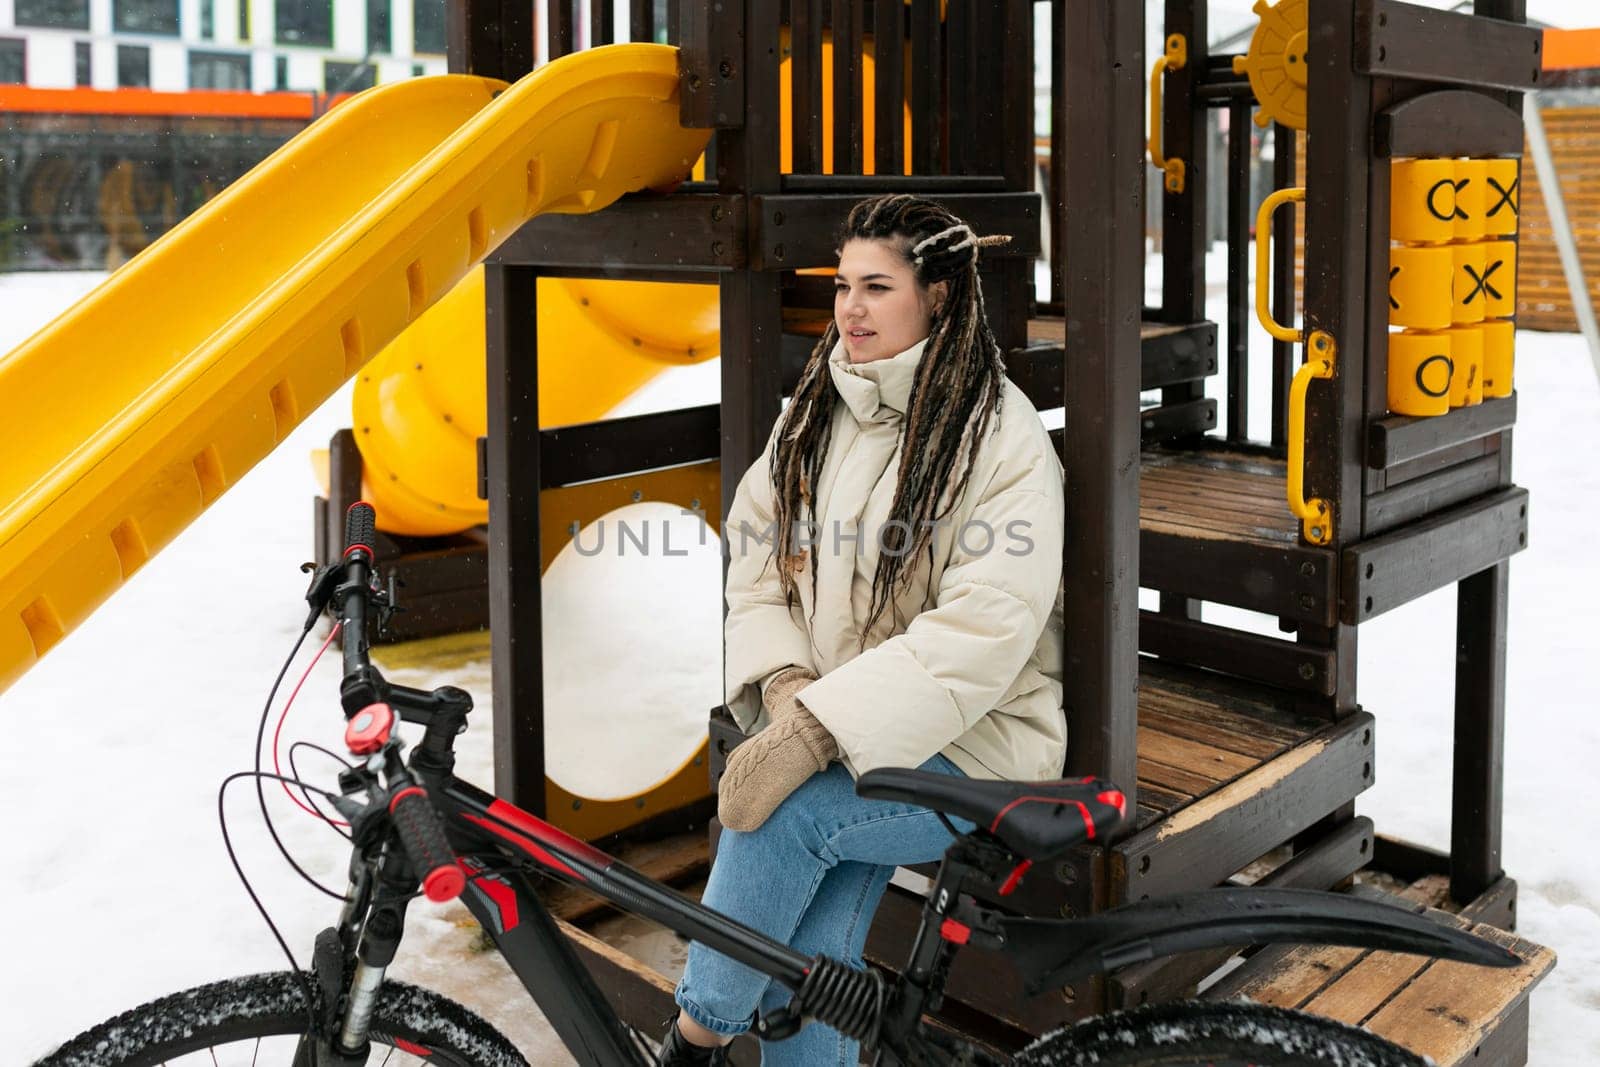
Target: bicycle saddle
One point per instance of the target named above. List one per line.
(1036, 820)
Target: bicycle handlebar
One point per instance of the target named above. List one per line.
(425, 842)
(364, 693)
(360, 526)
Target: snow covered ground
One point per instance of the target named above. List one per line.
(120, 889)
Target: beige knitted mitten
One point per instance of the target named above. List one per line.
(775, 762)
(785, 685)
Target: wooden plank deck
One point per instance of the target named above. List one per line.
(1453, 1013)
(1216, 494)
(1199, 732)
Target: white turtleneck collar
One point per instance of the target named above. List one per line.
(876, 391)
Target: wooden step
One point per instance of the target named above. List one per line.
(1214, 524)
(1453, 1013)
(1228, 771)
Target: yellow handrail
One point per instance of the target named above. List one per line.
(1316, 514)
(1176, 55)
(1264, 262)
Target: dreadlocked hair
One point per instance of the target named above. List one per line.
(954, 399)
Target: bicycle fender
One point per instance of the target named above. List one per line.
(1050, 953)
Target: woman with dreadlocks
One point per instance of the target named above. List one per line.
(905, 611)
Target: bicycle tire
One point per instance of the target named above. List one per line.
(1192, 1033)
(260, 1006)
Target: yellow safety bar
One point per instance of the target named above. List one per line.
(1316, 514)
(1176, 55)
(1264, 262)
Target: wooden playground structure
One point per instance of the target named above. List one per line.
(1243, 752)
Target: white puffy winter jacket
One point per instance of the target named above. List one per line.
(972, 667)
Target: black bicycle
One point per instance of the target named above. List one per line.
(416, 829)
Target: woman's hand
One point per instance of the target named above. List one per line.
(777, 761)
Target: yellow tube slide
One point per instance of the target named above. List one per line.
(418, 408)
(133, 411)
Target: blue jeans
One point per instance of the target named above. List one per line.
(811, 876)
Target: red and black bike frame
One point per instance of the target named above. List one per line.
(497, 842)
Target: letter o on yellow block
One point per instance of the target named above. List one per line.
(1423, 201)
(1419, 373)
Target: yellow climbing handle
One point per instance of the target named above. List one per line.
(1174, 58)
(1316, 514)
(1264, 262)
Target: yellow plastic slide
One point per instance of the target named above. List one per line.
(418, 408)
(132, 412)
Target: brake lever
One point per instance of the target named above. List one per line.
(387, 601)
(324, 580)
(363, 816)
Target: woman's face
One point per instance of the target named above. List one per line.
(880, 308)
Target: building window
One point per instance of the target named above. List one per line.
(133, 66)
(208, 19)
(305, 22)
(348, 77)
(280, 73)
(53, 14)
(146, 16)
(219, 70)
(379, 33)
(81, 62)
(244, 20)
(428, 21)
(13, 61)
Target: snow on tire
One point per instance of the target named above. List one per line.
(1223, 1032)
(268, 1005)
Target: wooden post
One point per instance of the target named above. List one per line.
(490, 38)
(805, 79)
(1101, 222)
(927, 92)
(1239, 298)
(1183, 215)
(515, 616)
(751, 301)
(847, 88)
(495, 38)
(563, 28)
(1284, 151)
(602, 24)
(1478, 771)
(889, 91)
(1338, 222)
(1011, 129)
(1477, 789)
(641, 20)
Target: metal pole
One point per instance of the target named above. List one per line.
(1561, 226)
